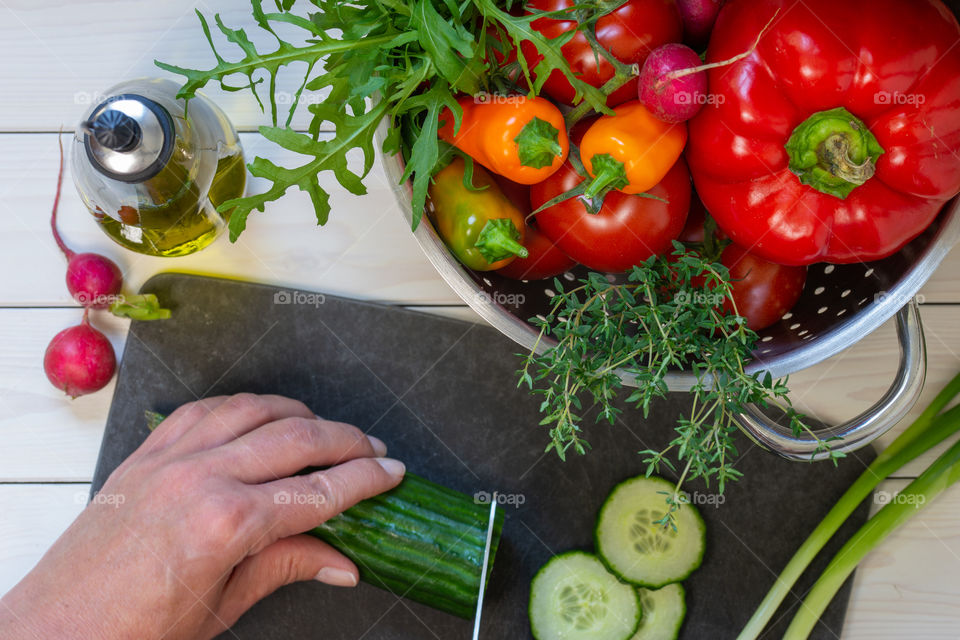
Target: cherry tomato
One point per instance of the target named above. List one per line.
(627, 230)
(693, 232)
(629, 32)
(518, 194)
(545, 259)
(763, 291)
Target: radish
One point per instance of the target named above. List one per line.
(80, 360)
(669, 98)
(92, 279)
(673, 82)
(698, 18)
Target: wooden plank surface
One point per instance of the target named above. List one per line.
(62, 55)
(48, 437)
(365, 251)
(852, 381)
(34, 515)
(45, 436)
(905, 590)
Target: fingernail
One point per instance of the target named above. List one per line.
(379, 447)
(391, 466)
(336, 577)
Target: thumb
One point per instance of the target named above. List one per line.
(288, 560)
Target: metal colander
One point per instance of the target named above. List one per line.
(840, 305)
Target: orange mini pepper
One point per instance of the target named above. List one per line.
(630, 151)
(523, 139)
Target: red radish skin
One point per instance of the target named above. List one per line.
(673, 99)
(673, 82)
(93, 280)
(698, 18)
(79, 360)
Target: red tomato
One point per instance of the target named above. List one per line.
(693, 232)
(545, 259)
(629, 32)
(763, 291)
(627, 230)
(518, 194)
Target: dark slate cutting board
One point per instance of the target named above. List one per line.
(442, 394)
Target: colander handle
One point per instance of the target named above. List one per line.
(856, 433)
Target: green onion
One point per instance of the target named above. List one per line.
(941, 474)
(927, 431)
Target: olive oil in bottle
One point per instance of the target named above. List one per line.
(153, 173)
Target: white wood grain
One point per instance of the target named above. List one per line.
(45, 436)
(850, 382)
(62, 54)
(366, 250)
(33, 517)
(907, 587)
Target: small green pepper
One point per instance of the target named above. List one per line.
(480, 226)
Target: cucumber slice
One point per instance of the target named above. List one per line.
(635, 548)
(663, 612)
(574, 597)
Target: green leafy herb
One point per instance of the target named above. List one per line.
(659, 321)
(366, 61)
(139, 307)
(153, 419)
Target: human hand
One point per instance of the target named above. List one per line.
(187, 533)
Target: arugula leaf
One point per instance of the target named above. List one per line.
(520, 29)
(449, 45)
(425, 153)
(366, 60)
(329, 155)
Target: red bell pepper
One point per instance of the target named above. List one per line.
(837, 139)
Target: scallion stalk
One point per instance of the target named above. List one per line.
(944, 472)
(928, 430)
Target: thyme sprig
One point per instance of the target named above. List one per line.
(667, 316)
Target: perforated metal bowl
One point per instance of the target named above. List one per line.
(840, 305)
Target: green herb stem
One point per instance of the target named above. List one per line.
(645, 328)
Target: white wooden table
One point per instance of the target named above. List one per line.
(57, 54)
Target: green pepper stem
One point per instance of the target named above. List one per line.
(538, 144)
(499, 240)
(834, 152)
(608, 174)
